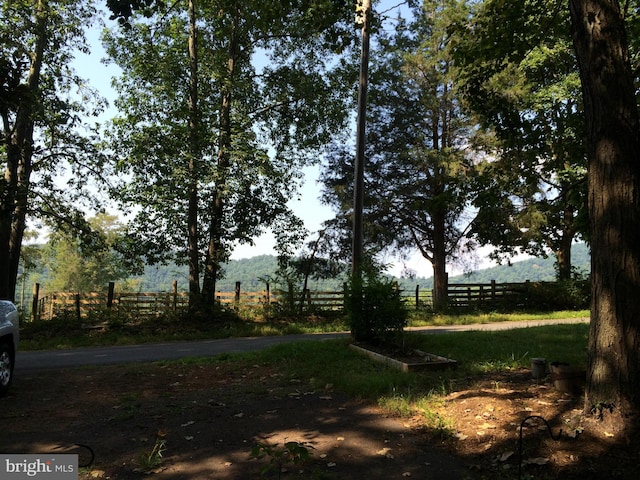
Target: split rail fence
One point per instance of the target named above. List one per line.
(151, 304)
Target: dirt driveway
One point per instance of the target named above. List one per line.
(208, 419)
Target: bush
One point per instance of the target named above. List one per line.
(376, 311)
(574, 294)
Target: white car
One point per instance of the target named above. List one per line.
(9, 338)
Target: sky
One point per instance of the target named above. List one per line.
(307, 207)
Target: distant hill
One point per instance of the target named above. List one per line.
(252, 273)
(535, 269)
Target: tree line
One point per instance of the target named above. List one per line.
(509, 124)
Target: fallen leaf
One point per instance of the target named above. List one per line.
(190, 422)
(406, 474)
(340, 439)
(331, 464)
(487, 426)
(535, 461)
(461, 436)
(188, 438)
(384, 451)
(505, 456)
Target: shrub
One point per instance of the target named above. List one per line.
(376, 311)
(573, 294)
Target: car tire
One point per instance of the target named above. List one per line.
(6, 367)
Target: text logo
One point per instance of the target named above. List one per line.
(44, 466)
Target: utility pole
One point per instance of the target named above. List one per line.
(363, 19)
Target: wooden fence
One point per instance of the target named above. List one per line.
(150, 304)
(480, 295)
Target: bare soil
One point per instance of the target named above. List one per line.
(207, 418)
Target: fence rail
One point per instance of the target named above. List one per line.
(478, 295)
(152, 304)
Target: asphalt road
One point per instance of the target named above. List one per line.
(41, 360)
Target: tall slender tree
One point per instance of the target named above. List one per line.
(257, 124)
(42, 101)
(417, 161)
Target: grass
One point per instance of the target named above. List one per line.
(64, 333)
(485, 351)
(425, 319)
(318, 364)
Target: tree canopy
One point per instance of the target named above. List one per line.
(272, 89)
(523, 86)
(417, 162)
(49, 151)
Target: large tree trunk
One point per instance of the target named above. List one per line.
(439, 262)
(194, 160)
(613, 146)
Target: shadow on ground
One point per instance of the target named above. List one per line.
(209, 418)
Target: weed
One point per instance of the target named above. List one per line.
(151, 460)
(290, 453)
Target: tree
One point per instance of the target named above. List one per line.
(417, 163)
(249, 129)
(78, 265)
(613, 143)
(44, 140)
(522, 83)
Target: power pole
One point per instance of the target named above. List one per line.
(363, 19)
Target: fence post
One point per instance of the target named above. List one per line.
(267, 300)
(34, 303)
(307, 295)
(237, 296)
(174, 287)
(493, 291)
(345, 293)
(417, 297)
(112, 287)
(78, 316)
